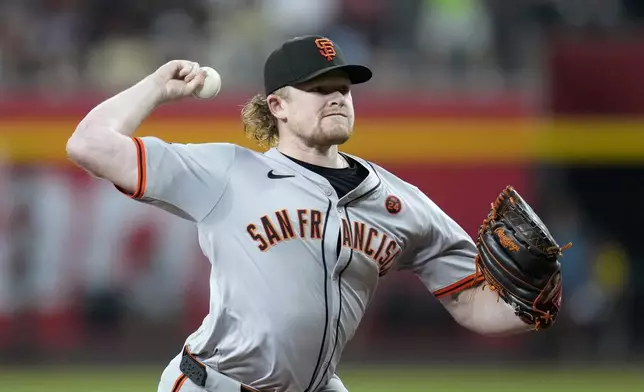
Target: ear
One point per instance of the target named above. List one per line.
(277, 105)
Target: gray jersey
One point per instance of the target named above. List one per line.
(283, 304)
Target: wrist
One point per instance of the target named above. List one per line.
(152, 91)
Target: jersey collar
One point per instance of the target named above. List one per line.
(368, 187)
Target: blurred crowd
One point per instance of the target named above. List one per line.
(443, 45)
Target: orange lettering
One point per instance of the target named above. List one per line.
(358, 236)
(326, 48)
(285, 224)
(346, 233)
(251, 229)
(269, 229)
(316, 219)
(301, 217)
(372, 233)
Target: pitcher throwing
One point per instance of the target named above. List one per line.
(299, 235)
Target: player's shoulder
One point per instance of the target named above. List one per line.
(201, 146)
(196, 149)
(204, 153)
(240, 156)
(396, 184)
(388, 177)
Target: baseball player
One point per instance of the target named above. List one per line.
(298, 236)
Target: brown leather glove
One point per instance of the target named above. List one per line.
(519, 259)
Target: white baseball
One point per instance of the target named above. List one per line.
(211, 85)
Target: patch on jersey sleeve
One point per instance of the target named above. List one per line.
(393, 204)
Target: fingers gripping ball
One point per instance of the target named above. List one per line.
(211, 85)
(519, 259)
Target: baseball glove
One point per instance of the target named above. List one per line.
(518, 257)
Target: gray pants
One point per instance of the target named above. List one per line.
(172, 380)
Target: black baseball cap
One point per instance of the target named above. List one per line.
(303, 58)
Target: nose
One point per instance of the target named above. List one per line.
(337, 99)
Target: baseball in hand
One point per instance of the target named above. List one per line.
(211, 85)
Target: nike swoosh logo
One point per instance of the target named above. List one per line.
(274, 176)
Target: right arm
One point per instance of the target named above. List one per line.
(102, 143)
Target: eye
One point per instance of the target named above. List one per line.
(325, 90)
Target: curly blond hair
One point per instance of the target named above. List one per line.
(259, 123)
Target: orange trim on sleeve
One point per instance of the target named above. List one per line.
(141, 181)
(460, 285)
(142, 177)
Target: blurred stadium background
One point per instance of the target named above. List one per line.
(98, 292)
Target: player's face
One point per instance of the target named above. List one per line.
(320, 111)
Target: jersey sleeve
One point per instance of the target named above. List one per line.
(186, 180)
(444, 254)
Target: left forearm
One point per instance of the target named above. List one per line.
(481, 310)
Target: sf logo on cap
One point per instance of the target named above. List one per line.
(326, 48)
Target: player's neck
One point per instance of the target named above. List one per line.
(320, 156)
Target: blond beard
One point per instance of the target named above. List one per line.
(331, 137)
